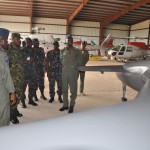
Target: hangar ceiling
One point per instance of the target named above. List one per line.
(126, 12)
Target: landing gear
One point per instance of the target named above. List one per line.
(124, 92)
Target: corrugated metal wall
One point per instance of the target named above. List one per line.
(140, 30)
(56, 27)
(21, 24)
(15, 24)
(85, 30)
(117, 31)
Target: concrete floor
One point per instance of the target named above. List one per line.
(101, 90)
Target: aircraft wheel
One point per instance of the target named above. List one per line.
(123, 99)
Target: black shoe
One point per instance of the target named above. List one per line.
(18, 114)
(14, 119)
(32, 103)
(63, 108)
(60, 99)
(35, 98)
(43, 97)
(51, 100)
(71, 109)
(24, 105)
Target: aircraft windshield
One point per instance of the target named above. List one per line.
(117, 48)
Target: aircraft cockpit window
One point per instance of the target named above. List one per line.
(117, 48)
(122, 49)
(129, 49)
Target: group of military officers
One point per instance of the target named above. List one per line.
(27, 65)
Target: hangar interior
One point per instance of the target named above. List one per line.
(90, 19)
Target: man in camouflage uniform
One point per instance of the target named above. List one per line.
(6, 83)
(71, 59)
(16, 69)
(39, 68)
(54, 72)
(29, 72)
(85, 59)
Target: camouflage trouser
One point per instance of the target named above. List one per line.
(82, 76)
(40, 82)
(18, 83)
(31, 82)
(52, 79)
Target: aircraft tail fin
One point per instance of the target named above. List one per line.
(103, 45)
(109, 43)
(93, 43)
(106, 39)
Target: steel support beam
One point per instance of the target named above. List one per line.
(73, 15)
(31, 9)
(123, 12)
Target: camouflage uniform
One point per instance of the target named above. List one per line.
(85, 59)
(16, 69)
(29, 72)
(54, 72)
(39, 68)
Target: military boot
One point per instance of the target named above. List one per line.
(63, 108)
(42, 95)
(51, 100)
(13, 117)
(18, 114)
(60, 99)
(31, 102)
(35, 97)
(71, 109)
(23, 104)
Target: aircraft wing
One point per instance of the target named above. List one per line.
(118, 68)
(125, 126)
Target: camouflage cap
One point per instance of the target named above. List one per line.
(16, 35)
(4, 32)
(35, 40)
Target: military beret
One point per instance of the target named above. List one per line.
(69, 36)
(16, 35)
(35, 40)
(4, 32)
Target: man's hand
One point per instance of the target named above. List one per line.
(12, 98)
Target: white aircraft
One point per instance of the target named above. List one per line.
(131, 51)
(94, 47)
(125, 126)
